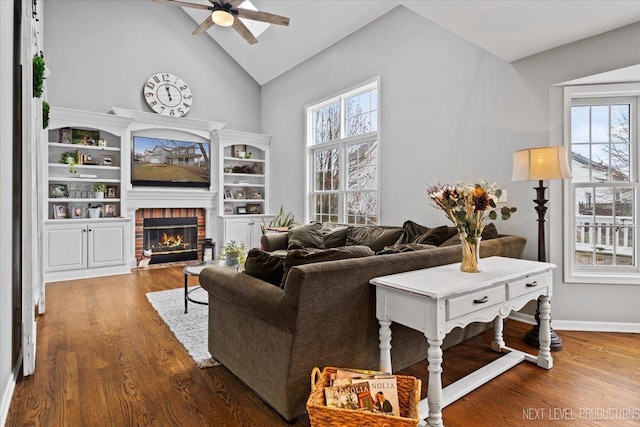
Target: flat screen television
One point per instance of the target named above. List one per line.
(170, 163)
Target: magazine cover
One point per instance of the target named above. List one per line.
(384, 392)
(350, 396)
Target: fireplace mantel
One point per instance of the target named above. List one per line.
(170, 198)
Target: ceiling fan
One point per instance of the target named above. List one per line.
(224, 13)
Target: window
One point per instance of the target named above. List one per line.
(601, 196)
(343, 151)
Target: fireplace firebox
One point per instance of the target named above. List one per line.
(171, 239)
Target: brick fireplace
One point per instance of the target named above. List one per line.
(166, 249)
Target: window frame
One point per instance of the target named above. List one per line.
(607, 94)
(342, 143)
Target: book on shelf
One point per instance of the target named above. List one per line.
(383, 389)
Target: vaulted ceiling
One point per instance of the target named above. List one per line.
(509, 29)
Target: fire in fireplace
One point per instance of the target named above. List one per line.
(171, 239)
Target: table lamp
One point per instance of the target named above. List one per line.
(540, 163)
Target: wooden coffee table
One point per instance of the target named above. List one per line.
(436, 300)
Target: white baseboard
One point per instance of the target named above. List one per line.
(580, 325)
(7, 394)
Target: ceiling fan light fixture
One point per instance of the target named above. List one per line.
(222, 18)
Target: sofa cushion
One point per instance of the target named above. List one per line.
(374, 237)
(307, 256)
(264, 266)
(334, 235)
(404, 247)
(306, 236)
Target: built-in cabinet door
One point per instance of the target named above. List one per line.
(66, 246)
(245, 229)
(106, 244)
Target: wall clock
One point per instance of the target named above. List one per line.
(167, 94)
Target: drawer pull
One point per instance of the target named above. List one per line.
(532, 284)
(481, 300)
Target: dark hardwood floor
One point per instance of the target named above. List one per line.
(104, 358)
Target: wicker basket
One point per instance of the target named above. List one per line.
(324, 416)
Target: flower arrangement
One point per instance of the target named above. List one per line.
(469, 207)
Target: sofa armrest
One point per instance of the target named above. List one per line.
(273, 241)
(253, 296)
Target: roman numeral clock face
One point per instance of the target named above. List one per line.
(168, 95)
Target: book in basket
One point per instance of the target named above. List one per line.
(384, 392)
(349, 396)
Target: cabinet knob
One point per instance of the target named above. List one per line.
(532, 284)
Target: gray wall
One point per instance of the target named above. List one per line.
(616, 49)
(450, 111)
(101, 53)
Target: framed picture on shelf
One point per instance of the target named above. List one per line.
(239, 151)
(110, 211)
(77, 211)
(112, 191)
(60, 210)
(58, 190)
(240, 210)
(85, 137)
(228, 194)
(254, 208)
(228, 210)
(255, 195)
(108, 160)
(66, 136)
(240, 194)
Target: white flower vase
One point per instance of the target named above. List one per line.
(94, 212)
(99, 195)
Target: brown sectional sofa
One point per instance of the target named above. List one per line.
(271, 337)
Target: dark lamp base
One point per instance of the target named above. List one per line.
(531, 338)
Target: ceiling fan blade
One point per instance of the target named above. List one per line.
(206, 24)
(263, 16)
(244, 31)
(184, 4)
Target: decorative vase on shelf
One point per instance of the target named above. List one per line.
(470, 254)
(99, 194)
(94, 212)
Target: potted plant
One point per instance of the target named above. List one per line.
(99, 189)
(234, 253)
(279, 221)
(69, 158)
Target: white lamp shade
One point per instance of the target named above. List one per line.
(540, 163)
(222, 18)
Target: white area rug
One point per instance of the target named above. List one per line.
(189, 328)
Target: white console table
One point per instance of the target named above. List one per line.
(436, 300)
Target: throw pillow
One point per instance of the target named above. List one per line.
(435, 236)
(335, 235)
(404, 247)
(308, 256)
(264, 266)
(374, 237)
(411, 230)
(306, 236)
(490, 232)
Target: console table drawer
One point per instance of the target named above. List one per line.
(528, 284)
(474, 301)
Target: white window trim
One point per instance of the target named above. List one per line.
(606, 274)
(342, 143)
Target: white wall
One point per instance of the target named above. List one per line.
(451, 111)
(6, 142)
(102, 52)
